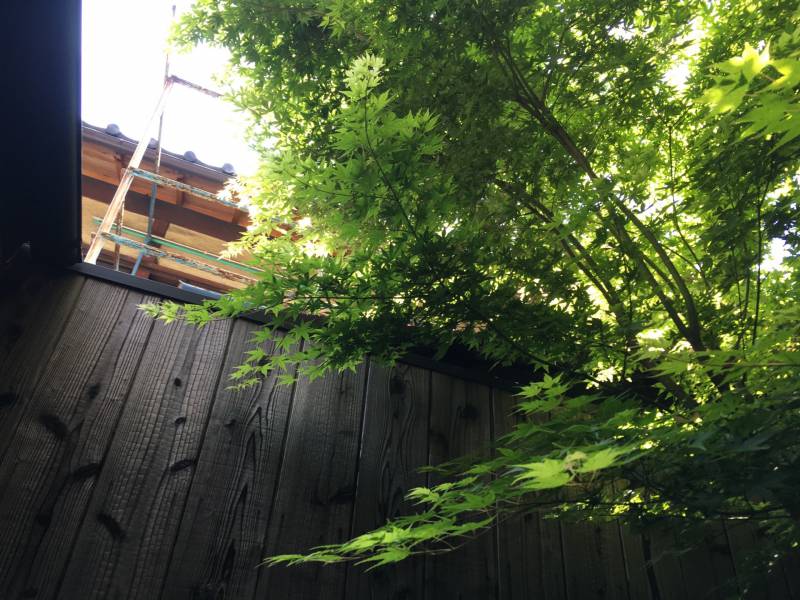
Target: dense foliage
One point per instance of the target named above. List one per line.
(606, 191)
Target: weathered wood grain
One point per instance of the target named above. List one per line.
(64, 506)
(28, 306)
(791, 568)
(32, 318)
(130, 471)
(551, 549)
(660, 551)
(315, 494)
(595, 543)
(124, 546)
(719, 551)
(520, 565)
(754, 582)
(641, 577)
(707, 566)
(225, 521)
(37, 462)
(394, 446)
(529, 548)
(460, 423)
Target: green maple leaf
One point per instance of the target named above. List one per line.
(546, 474)
(602, 459)
(390, 555)
(789, 68)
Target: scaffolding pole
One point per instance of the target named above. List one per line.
(154, 187)
(161, 242)
(155, 178)
(163, 254)
(195, 87)
(126, 180)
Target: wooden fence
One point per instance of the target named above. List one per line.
(128, 469)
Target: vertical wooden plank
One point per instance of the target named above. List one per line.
(51, 422)
(641, 578)
(519, 573)
(64, 507)
(551, 550)
(529, 548)
(316, 489)
(658, 544)
(29, 308)
(593, 562)
(225, 521)
(698, 573)
(124, 546)
(394, 446)
(526, 569)
(755, 583)
(791, 569)
(460, 423)
(32, 318)
(707, 566)
(639, 572)
(719, 550)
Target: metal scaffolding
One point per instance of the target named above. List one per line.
(147, 245)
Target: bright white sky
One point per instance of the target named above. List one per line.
(123, 68)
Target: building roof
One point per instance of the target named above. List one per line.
(112, 136)
(184, 225)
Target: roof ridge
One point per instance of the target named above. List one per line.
(113, 130)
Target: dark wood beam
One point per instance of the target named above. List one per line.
(169, 213)
(160, 227)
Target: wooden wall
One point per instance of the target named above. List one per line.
(129, 470)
